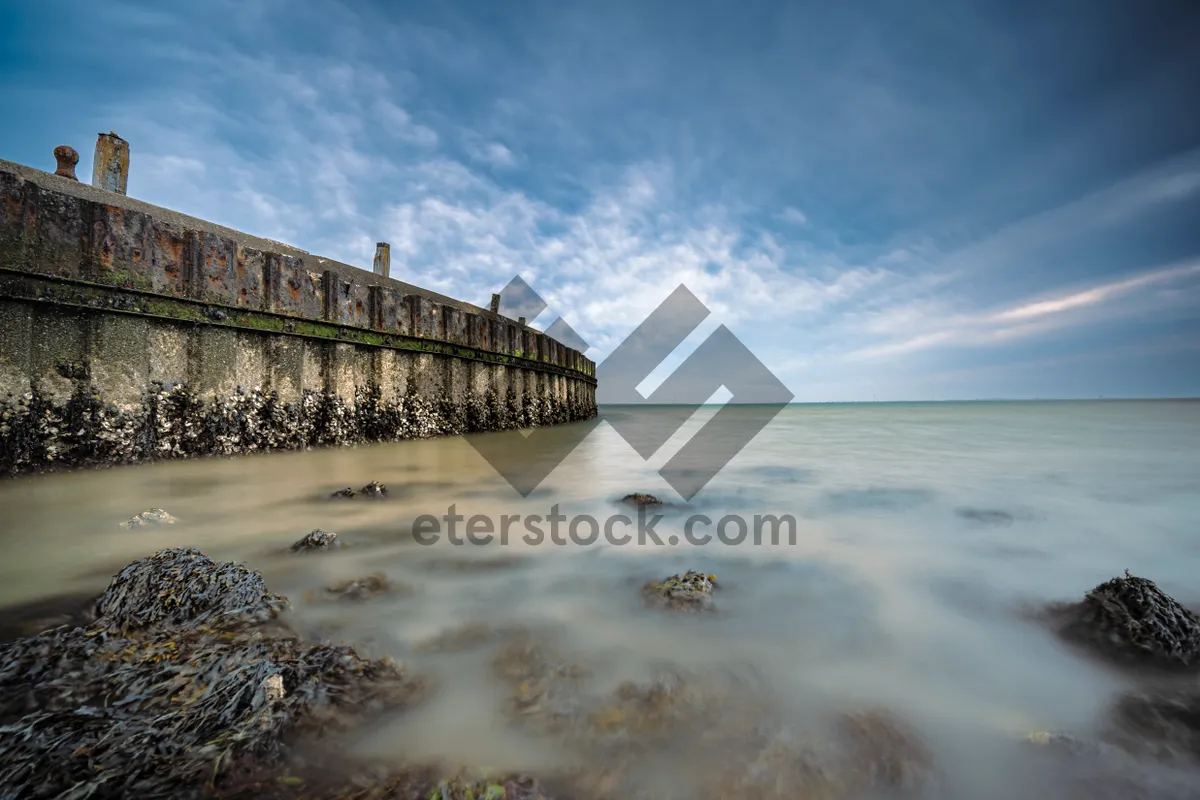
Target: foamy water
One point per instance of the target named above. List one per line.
(922, 529)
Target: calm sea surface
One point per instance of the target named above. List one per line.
(922, 529)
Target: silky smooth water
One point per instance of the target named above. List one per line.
(923, 530)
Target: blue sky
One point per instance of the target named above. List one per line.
(901, 201)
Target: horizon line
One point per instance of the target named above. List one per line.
(1103, 399)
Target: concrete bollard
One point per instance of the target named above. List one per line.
(383, 259)
(110, 169)
(495, 307)
(67, 158)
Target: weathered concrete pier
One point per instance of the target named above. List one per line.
(131, 332)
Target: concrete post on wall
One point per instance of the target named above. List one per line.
(495, 306)
(110, 167)
(383, 259)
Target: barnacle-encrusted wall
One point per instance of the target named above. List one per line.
(130, 332)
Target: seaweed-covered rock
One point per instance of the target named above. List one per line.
(640, 500)
(691, 591)
(317, 540)
(182, 586)
(164, 700)
(149, 518)
(358, 590)
(346, 493)
(1130, 619)
(374, 489)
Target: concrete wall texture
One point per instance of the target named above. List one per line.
(130, 332)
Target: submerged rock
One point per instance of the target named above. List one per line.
(782, 770)
(170, 692)
(869, 751)
(149, 518)
(464, 637)
(642, 500)
(546, 689)
(317, 540)
(511, 788)
(1130, 619)
(691, 591)
(985, 516)
(359, 590)
(1163, 723)
(373, 489)
(641, 714)
(884, 752)
(1069, 766)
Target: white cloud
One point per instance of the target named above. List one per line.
(1038, 316)
(793, 216)
(493, 154)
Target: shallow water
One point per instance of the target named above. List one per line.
(922, 531)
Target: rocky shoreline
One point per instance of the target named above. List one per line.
(185, 678)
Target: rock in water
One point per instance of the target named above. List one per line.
(317, 540)
(182, 585)
(148, 518)
(359, 590)
(1130, 619)
(691, 591)
(641, 500)
(374, 489)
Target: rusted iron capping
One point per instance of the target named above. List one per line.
(67, 158)
(71, 292)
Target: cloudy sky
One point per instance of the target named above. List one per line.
(882, 200)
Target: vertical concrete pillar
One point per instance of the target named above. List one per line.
(495, 306)
(383, 259)
(110, 168)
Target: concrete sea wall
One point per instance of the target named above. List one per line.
(130, 332)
